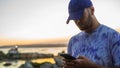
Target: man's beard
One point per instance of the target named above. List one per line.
(87, 24)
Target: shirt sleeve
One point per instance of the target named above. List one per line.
(116, 50)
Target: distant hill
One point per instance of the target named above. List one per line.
(35, 45)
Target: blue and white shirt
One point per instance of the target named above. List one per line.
(101, 47)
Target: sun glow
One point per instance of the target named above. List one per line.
(39, 41)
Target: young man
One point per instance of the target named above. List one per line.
(97, 46)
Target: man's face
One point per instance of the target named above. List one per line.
(86, 22)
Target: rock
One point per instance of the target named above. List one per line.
(56, 66)
(28, 64)
(36, 65)
(58, 62)
(21, 66)
(46, 65)
(2, 55)
(7, 64)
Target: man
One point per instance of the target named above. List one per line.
(97, 46)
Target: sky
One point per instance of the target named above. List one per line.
(40, 19)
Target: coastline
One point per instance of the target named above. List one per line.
(35, 45)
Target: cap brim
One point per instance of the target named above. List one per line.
(75, 16)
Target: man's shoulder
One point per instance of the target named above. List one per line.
(78, 36)
(108, 29)
(109, 32)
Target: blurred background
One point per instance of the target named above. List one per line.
(40, 25)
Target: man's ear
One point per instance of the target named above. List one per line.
(92, 10)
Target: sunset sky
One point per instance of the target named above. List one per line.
(41, 19)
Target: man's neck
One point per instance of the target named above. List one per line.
(96, 24)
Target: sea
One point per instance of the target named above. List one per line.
(44, 50)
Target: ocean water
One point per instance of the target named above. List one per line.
(45, 50)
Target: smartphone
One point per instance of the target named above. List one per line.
(67, 56)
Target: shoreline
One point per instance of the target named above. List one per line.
(35, 45)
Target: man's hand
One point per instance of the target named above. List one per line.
(80, 62)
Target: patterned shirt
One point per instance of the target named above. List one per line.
(102, 46)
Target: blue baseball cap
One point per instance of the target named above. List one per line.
(76, 9)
